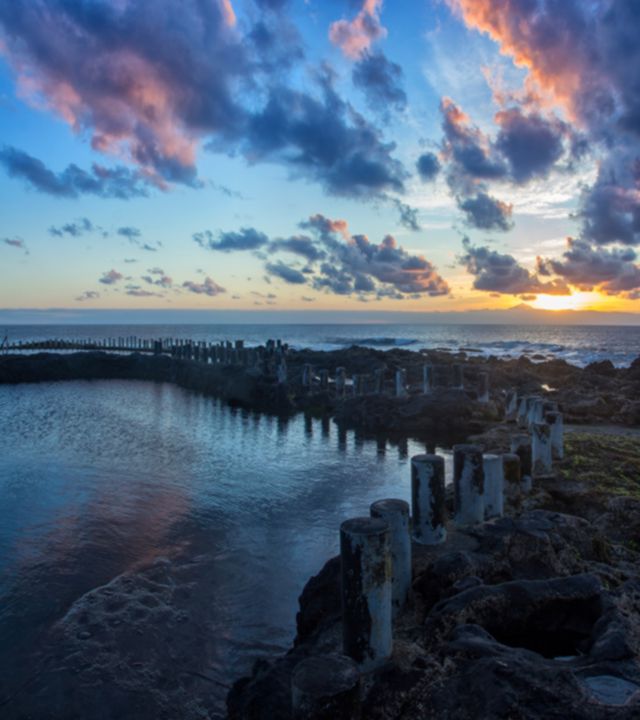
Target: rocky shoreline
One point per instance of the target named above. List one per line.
(531, 616)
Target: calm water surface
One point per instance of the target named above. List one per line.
(101, 481)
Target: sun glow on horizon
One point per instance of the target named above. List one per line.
(575, 301)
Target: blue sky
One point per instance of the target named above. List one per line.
(226, 129)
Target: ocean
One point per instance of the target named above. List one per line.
(579, 345)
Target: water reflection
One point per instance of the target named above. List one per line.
(100, 480)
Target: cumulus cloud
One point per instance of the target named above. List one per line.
(153, 89)
(502, 273)
(73, 229)
(584, 57)
(17, 243)
(381, 82)
(357, 265)
(244, 239)
(88, 295)
(131, 233)
(118, 182)
(286, 272)
(207, 287)
(428, 166)
(485, 212)
(111, 277)
(158, 277)
(326, 140)
(611, 271)
(298, 245)
(356, 36)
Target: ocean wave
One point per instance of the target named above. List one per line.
(373, 341)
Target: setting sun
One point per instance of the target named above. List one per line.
(576, 301)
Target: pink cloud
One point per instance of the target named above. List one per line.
(356, 36)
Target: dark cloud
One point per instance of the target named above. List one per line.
(428, 166)
(111, 277)
(137, 291)
(486, 213)
(326, 140)
(408, 215)
(119, 182)
(381, 82)
(356, 265)
(583, 56)
(207, 287)
(286, 272)
(610, 271)
(88, 295)
(156, 88)
(298, 245)
(131, 233)
(502, 273)
(244, 239)
(531, 144)
(148, 248)
(611, 212)
(74, 229)
(158, 277)
(17, 243)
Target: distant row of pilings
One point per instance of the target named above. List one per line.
(272, 358)
(376, 550)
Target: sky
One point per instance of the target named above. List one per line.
(330, 155)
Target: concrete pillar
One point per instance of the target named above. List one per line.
(356, 385)
(326, 686)
(537, 411)
(282, 373)
(378, 381)
(468, 484)
(397, 516)
(555, 422)
(458, 377)
(493, 486)
(365, 557)
(341, 381)
(521, 417)
(324, 378)
(428, 499)
(513, 486)
(401, 383)
(511, 407)
(541, 449)
(483, 390)
(427, 379)
(306, 376)
(520, 444)
(531, 409)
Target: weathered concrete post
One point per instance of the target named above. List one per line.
(341, 381)
(428, 499)
(468, 484)
(483, 390)
(458, 377)
(521, 417)
(511, 407)
(541, 449)
(282, 373)
(356, 384)
(396, 514)
(554, 420)
(427, 379)
(493, 486)
(537, 411)
(520, 444)
(324, 379)
(512, 475)
(531, 409)
(401, 383)
(306, 376)
(365, 558)
(326, 687)
(378, 381)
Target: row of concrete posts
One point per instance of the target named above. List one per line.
(376, 565)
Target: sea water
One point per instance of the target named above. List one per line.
(101, 481)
